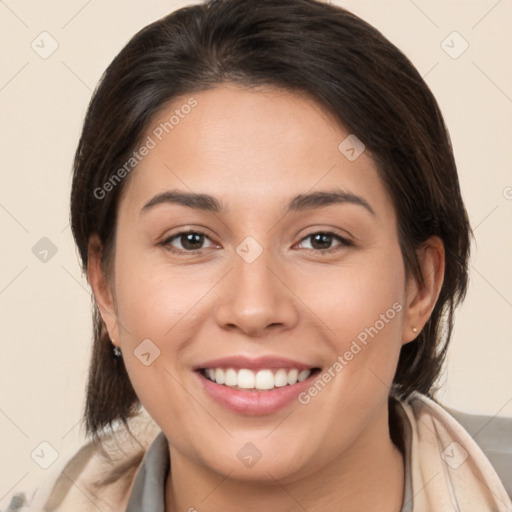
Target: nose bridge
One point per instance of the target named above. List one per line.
(251, 268)
(253, 297)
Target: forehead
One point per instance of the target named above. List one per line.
(252, 149)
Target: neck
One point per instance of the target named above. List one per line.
(367, 476)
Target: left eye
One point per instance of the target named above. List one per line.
(321, 239)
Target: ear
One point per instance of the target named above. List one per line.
(101, 287)
(421, 297)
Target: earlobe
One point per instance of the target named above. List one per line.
(422, 296)
(101, 287)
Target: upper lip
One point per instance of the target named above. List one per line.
(254, 363)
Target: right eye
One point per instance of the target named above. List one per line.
(191, 242)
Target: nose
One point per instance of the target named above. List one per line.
(256, 298)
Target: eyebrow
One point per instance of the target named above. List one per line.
(301, 202)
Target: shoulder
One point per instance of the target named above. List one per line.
(492, 434)
(98, 476)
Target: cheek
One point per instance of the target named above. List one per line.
(361, 307)
(152, 297)
(351, 297)
(157, 308)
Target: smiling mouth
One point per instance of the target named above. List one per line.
(244, 379)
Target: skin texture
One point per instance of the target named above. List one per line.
(254, 151)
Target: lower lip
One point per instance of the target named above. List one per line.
(254, 403)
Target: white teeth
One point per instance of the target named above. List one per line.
(219, 376)
(262, 379)
(280, 378)
(292, 376)
(230, 378)
(303, 375)
(245, 379)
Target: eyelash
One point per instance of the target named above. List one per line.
(344, 242)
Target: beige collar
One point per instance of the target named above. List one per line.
(449, 470)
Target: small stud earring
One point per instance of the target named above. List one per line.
(116, 352)
(414, 329)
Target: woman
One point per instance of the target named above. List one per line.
(267, 208)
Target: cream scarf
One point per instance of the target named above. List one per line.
(450, 473)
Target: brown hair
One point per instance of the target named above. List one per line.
(304, 46)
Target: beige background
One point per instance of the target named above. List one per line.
(45, 307)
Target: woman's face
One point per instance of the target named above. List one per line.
(274, 271)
